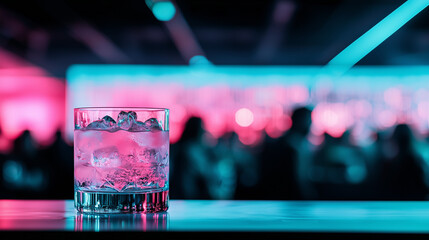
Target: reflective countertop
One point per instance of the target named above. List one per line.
(240, 216)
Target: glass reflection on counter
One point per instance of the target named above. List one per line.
(121, 222)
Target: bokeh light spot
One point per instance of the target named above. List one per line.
(244, 117)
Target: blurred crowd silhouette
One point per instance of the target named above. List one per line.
(393, 167)
(33, 172)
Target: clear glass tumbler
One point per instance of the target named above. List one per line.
(121, 160)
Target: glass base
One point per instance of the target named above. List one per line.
(102, 202)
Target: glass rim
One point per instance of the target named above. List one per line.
(153, 109)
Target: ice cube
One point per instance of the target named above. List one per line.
(86, 176)
(106, 123)
(149, 125)
(138, 127)
(95, 125)
(118, 179)
(106, 157)
(152, 124)
(133, 115)
(126, 119)
(148, 156)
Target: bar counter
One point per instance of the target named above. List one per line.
(278, 218)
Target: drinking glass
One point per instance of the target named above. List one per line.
(121, 160)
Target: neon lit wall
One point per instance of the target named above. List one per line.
(35, 103)
(252, 100)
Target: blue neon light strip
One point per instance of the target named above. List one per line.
(376, 78)
(376, 35)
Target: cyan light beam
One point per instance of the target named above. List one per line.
(163, 10)
(376, 35)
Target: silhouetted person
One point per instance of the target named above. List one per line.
(241, 176)
(236, 167)
(403, 175)
(285, 161)
(379, 153)
(340, 170)
(23, 174)
(227, 157)
(24, 147)
(58, 161)
(191, 174)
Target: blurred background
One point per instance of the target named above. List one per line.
(263, 104)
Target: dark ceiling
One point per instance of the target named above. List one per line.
(55, 34)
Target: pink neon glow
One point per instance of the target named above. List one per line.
(423, 109)
(29, 86)
(279, 123)
(298, 94)
(41, 116)
(393, 97)
(205, 95)
(268, 109)
(273, 131)
(5, 144)
(35, 103)
(284, 123)
(386, 118)
(176, 130)
(244, 117)
(28, 100)
(250, 137)
(260, 118)
(216, 105)
(215, 124)
(421, 95)
(315, 140)
(177, 117)
(316, 130)
(332, 118)
(360, 108)
(177, 113)
(281, 94)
